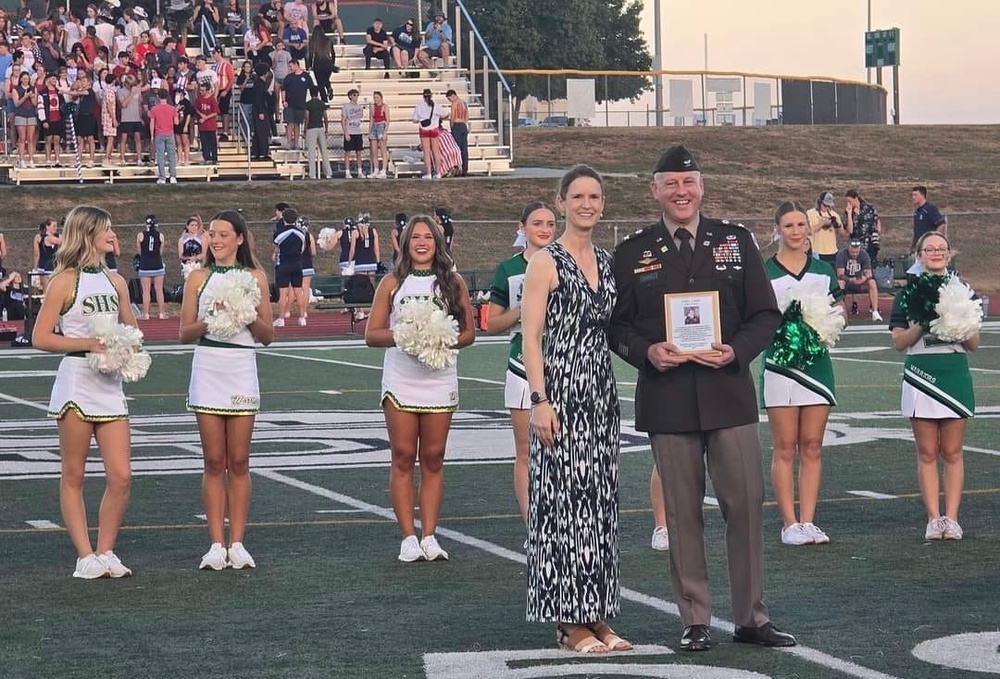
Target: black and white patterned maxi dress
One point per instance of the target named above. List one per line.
(573, 557)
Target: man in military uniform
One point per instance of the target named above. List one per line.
(703, 405)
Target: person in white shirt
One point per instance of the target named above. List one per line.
(428, 116)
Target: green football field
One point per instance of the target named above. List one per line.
(329, 598)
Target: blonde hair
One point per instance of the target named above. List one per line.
(81, 226)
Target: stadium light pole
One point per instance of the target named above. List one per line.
(658, 63)
(868, 71)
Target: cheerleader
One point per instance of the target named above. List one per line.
(149, 243)
(86, 403)
(224, 392)
(364, 253)
(191, 244)
(797, 398)
(538, 221)
(308, 271)
(45, 244)
(418, 401)
(937, 395)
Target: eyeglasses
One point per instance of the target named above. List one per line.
(935, 251)
(409, 23)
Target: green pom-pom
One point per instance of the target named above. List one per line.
(920, 296)
(796, 343)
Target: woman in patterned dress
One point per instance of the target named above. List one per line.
(224, 391)
(937, 397)
(573, 556)
(798, 401)
(418, 401)
(87, 404)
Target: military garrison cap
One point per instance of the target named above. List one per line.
(676, 159)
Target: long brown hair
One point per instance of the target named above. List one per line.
(447, 280)
(244, 253)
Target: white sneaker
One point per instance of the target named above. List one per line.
(409, 550)
(952, 531)
(91, 567)
(816, 533)
(661, 539)
(436, 176)
(380, 174)
(302, 321)
(426, 176)
(935, 529)
(347, 175)
(116, 568)
(173, 180)
(161, 181)
(215, 558)
(432, 549)
(876, 316)
(239, 557)
(279, 323)
(796, 535)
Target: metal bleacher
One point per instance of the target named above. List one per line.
(401, 90)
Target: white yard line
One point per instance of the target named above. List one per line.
(809, 654)
(23, 402)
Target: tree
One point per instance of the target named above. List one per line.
(567, 34)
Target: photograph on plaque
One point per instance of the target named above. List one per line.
(693, 321)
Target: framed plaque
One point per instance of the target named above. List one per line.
(693, 321)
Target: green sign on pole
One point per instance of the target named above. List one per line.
(882, 48)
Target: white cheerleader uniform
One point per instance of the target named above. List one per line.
(406, 382)
(223, 371)
(92, 395)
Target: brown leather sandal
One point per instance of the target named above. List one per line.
(607, 636)
(579, 641)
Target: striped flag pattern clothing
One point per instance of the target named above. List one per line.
(451, 155)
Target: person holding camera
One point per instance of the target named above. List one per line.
(428, 116)
(824, 225)
(863, 223)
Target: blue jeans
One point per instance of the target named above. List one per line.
(166, 147)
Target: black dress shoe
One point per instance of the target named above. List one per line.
(766, 635)
(696, 638)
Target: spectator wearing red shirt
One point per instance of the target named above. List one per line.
(207, 108)
(162, 119)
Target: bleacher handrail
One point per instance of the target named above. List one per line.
(482, 45)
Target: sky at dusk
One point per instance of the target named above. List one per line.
(949, 50)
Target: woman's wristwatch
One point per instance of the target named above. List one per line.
(538, 397)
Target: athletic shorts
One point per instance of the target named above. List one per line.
(433, 52)
(855, 289)
(294, 116)
(516, 394)
(430, 132)
(355, 143)
(285, 277)
(54, 130)
(224, 102)
(377, 132)
(86, 126)
(131, 127)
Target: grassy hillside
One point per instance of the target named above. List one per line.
(747, 173)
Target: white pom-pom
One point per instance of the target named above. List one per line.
(232, 303)
(424, 330)
(122, 357)
(818, 309)
(189, 266)
(959, 315)
(326, 239)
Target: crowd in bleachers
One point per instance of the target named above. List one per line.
(88, 80)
